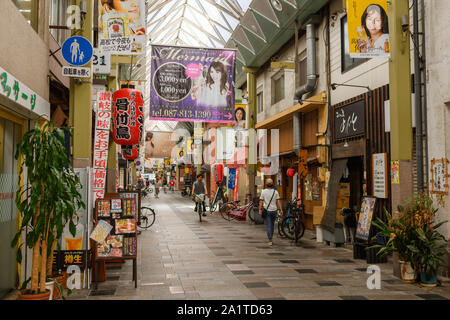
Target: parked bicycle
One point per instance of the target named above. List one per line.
(146, 191)
(219, 199)
(230, 210)
(147, 218)
(292, 226)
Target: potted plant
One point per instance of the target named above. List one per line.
(46, 202)
(399, 236)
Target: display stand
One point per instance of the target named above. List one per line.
(120, 242)
(364, 232)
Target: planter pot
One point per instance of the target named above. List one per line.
(27, 295)
(430, 282)
(407, 271)
(50, 285)
(62, 280)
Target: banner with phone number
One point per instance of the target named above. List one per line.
(192, 84)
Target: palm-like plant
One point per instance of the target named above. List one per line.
(400, 236)
(49, 198)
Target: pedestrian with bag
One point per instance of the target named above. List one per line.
(268, 202)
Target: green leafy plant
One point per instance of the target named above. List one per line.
(429, 249)
(49, 198)
(414, 235)
(399, 235)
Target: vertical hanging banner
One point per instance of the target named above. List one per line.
(368, 29)
(122, 26)
(192, 84)
(101, 143)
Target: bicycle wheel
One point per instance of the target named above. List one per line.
(288, 226)
(225, 210)
(299, 230)
(251, 214)
(147, 218)
(280, 229)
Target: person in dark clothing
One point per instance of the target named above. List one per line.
(200, 188)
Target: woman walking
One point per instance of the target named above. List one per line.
(268, 202)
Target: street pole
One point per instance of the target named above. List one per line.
(400, 106)
(251, 111)
(80, 102)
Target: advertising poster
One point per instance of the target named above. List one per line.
(395, 172)
(365, 218)
(192, 84)
(368, 29)
(240, 116)
(121, 25)
(160, 144)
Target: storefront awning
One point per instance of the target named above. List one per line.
(309, 104)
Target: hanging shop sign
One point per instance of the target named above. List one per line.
(236, 184)
(349, 121)
(379, 175)
(231, 178)
(16, 91)
(128, 116)
(368, 29)
(130, 152)
(101, 143)
(101, 62)
(122, 26)
(302, 163)
(365, 218)
(192, 84)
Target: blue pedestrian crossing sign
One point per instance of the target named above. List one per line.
(77, 51)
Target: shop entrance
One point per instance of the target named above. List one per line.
(10, 132)
(351, 187)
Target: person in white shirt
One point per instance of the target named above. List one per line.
(269, 199)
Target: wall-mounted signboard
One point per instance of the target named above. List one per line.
(349, 120)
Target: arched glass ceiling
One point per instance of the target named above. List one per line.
(201, 23)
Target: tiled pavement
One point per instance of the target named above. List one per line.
(181, 258)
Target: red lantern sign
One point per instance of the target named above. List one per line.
(130, 152)
(128, 116)
(218, 173)
(290, 172)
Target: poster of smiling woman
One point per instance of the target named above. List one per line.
(192, 84)
(368, 28)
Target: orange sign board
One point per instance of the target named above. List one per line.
(302, 163)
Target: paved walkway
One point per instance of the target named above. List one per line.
(181, 258)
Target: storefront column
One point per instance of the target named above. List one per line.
(81, 102)
(400, 110)
(251, 111)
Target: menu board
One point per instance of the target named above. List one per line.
(121, 240)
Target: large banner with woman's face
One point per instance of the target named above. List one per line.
(192, 84)
(368, 29)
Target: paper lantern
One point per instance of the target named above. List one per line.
(130, 152)
(128, 116)
(218, 173)
(290, 172)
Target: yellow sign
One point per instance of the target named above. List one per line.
(368, 29)
(240, 116)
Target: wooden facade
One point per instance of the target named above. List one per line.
(373, 140)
